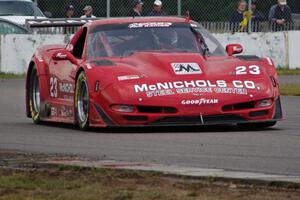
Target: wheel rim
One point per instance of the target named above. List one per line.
(36, 94)
(83, 104)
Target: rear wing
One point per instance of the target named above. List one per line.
(58, 22)
(64, 22)
(56, 25)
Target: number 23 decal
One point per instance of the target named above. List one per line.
(53, 87)
(252, 69)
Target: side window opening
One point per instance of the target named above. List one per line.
(79, 45)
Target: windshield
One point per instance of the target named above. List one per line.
(19, 8)
(125, 39)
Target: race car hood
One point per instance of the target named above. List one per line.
(186, 75)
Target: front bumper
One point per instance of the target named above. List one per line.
(273, 113)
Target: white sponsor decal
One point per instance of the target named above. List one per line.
(193, 84)
(66, 111)
(61, 111)
(199, 102)
(128, 77)
(231, 91)
(53, 111)
(61, 55)
(237, 49)
(66, 88)
(150, 24)
(196, 87)
(186, 68)
(89, 66)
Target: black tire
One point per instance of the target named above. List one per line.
(82, 106)
(258, 125)
(34, 96)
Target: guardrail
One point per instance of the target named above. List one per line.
(227, 27)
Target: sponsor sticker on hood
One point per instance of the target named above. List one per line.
(186, 68)
(239, 87)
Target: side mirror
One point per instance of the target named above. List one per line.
(64, 55)
(233, 49)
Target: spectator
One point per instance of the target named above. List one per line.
(137, 8)
(238, 16)
(280, 16)
(257, 17)
(157, 11)
(70, 11)
(88, 12)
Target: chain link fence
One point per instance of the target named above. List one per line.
(215, 15)
(200, 10)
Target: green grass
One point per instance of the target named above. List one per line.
(290, 89)
(68, 183)
(11, 76)
(284, 71)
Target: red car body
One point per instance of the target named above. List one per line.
(154, 88)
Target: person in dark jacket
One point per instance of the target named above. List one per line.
(257, 17)
(69, 13)
(157, 9)
(238, 16)
(137, 8)
(280, 16)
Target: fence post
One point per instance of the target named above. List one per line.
(179, 8)
(108, 8)
(250, 20)
(34, 10)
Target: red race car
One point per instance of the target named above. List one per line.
(150, 72)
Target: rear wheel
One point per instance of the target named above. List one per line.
(34, 96)
(257, 125)
(82, 102)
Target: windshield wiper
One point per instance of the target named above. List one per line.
(201, 40)
(6, 14)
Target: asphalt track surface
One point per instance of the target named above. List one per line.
(273, 151)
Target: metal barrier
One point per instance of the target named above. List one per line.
(215, 15)
(70, 26)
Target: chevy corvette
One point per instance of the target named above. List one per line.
(150, 72)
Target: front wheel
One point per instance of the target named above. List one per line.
(34, 96)
(82, 102)
(258, 125)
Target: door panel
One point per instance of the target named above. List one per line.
(62, 89)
